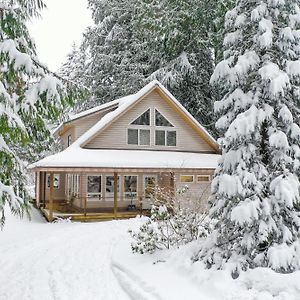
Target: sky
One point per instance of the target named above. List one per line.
(62, 23)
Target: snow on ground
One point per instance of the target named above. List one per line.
(68, 260)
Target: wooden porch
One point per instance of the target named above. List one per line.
(110, 203)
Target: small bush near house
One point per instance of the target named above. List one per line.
(171, 225)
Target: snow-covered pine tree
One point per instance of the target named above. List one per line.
(133, 42)
(187, 43)
(29, 96)
(256, 188)
(116, 63)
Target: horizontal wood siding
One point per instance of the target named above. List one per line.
(84, 124)
(115, 136)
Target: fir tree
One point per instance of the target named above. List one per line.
(174, 41)
(29, 97)
(256, 188)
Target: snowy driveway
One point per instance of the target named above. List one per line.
(91, 261)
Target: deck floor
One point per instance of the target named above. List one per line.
(92, 216)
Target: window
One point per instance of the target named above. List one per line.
(187, 178)
(110, 187)
(144, 137)
(171, 138)
(94, 186)
(143, 119)
(69, 140)
(165, 138)
(160, 137)
(73, 183)
(203, 178)
(160, 120)
(133, 136)
(149, 185)
(138, 137)
(130, 187)
(55, 181)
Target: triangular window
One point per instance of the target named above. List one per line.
(160, 120)
(143, 119)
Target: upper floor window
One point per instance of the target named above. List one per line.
(160, 120)
(138, 137)
(143, 119)
(69, 140)
(165, 138)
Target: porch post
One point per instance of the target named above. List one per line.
(37, 188)
(172, 183)
(115, 194)
(51, 197)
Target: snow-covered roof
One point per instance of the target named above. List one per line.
(76, 157)
(126, 102)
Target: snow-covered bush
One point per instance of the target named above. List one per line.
(171, 224)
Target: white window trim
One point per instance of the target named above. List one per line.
(154, 119)
(92, 196)
(187, 181)
(111, 195)
(150, 118)
(137, 187)
(141, 127)
(204, 176)
(162, 128)
(69, 140)
(48, 180)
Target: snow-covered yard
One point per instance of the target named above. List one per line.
(67, 260)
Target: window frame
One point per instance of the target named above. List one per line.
(150, 118)
(164, 126)
(137, 187)
(166, 137)
(93, 196)
(55, 176)
(187, 175)
(203, 176)
(111, 194)
(139, 139)
(69, 140)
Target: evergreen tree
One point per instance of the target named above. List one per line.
(30, 97)
(174, 41)
(256, 188)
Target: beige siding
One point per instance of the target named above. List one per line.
(64, 137)
(197, 193)
(84, 124)
(80, 126)
(115, 136)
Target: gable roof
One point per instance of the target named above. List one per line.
(127, 102)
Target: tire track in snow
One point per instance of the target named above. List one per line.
(136, 288)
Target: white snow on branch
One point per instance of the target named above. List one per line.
(277, 80)
(229, 185)
(286, 189)
(266, 39)
(285, 114)
(279, 140)
(16, 57)
(245, 212)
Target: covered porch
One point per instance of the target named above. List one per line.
(100, 193)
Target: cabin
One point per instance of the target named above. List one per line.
(120, 157)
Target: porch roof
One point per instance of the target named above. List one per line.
(129, 159)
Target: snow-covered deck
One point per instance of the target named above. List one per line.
(129, 159)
